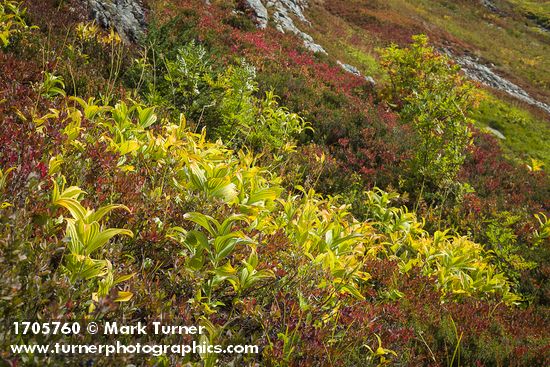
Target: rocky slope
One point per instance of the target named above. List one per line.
(282, 12)
(128, 18)
(483, 74)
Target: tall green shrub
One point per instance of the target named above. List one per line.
(434, 98)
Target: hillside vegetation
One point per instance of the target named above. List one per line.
(218, 175)
(503, 35)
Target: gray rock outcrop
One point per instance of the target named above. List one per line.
(489, 4)
(294, 7)
(483, 74)
(349, 68)
(259, 12)
(127, 17)
(353, 70)
(282, 12)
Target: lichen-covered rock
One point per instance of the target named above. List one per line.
(127, 17)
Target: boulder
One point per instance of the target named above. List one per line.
(260, 15)
(127, 17)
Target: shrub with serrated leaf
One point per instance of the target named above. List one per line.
(432, 97)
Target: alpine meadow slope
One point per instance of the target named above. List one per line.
(319, 179)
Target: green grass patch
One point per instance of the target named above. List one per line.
(526, 136)
(538, 10)
(366, 61)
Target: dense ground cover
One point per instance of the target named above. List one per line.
(128, 194)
